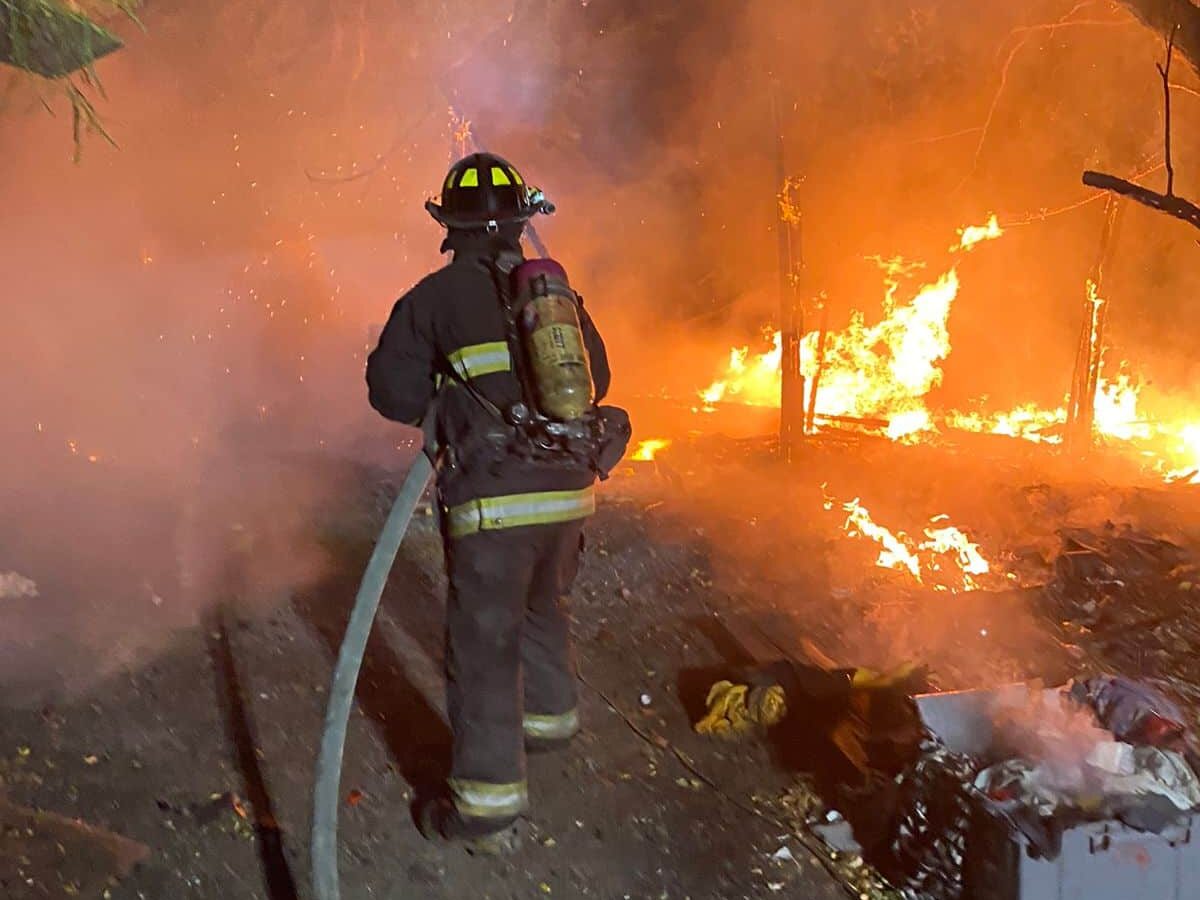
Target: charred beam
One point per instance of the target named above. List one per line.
(1170, 204)
(791, 316)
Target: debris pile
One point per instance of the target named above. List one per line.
(1105, 749)
(1120, 599)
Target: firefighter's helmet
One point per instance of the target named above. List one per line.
(484, 191)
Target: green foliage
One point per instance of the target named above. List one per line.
(48, 39)
(60, 44)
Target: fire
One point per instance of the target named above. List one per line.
(947, 557)
(973, 234)
(880, 375)
(885, 370)
(880, 370)
(1116, 412)
(755, 383)
(895, 553)
(1027, 421)
(647, 450)
(1186, 456)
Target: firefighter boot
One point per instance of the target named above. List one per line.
(438, 820)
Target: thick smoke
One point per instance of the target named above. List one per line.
(190, 309)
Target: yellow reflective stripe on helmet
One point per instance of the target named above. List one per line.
(483, 800)
(557, 727)
(500, 177)
(481, 359)
(450, 180)
(470, 178)
(519, 510)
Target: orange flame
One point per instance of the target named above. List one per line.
(947, 557)
(885, 370)
(755, 383)
(880, 370)
(973, 234)
(647, 450)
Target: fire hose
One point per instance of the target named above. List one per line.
(327, 786)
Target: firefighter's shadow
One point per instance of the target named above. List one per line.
(397, 694)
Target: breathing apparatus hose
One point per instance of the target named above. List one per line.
(327, 787)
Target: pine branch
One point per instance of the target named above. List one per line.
(47, 39)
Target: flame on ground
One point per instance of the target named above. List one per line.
(647, 450)
(884, 371)
(946, 559)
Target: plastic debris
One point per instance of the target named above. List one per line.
(1131, 710)
(783, 854)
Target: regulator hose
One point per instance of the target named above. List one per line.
(327, 787)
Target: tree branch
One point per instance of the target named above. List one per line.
(1168, 203)
(1162, 15)
(1165, 72)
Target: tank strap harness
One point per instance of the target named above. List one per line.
(544, 349)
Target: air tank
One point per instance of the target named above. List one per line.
(547, 313)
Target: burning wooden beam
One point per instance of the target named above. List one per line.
(1085, 380)
(791, 315)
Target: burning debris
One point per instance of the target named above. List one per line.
(946, 560)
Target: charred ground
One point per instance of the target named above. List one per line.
(204, 752)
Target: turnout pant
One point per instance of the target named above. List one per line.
(509, 661)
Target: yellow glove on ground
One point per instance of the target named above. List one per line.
(734, 709)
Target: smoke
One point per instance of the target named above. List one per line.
(192, 309)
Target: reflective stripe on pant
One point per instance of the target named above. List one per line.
(483, 800)
(551, 727)
(508, 654)
(519, 510)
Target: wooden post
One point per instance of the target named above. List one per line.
(818, 369)
(1089, 356)
(791, 315)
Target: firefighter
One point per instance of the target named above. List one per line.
(512, 521)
